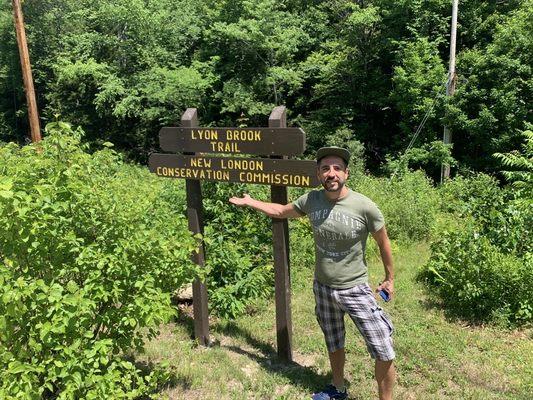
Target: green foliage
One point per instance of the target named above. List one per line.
(302, 244)
(238, 248)
(481, 266)
(470, 195)
(419, 83)
(88, 259)
(500, 216)
(122, 69)
(261, 42)
(476, 280)
(409, 203)
(429, 156)
(521, 163)
(491, 105)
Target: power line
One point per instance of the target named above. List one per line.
(422, 123)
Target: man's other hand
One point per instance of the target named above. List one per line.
(388, 286)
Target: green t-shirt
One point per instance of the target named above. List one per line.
(340, 229)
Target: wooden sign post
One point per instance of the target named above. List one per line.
(280, 233)
(196, 225)
(276, 141)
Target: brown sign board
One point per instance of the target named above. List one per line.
(275, 172)
(259, 141)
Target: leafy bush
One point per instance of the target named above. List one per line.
(90, 249)
(409, 203)
(238, 249)
(502, 218)
(476, 280)
(429, 156)
(302, 245)
(470, 195)
(521, 164)
(481, 267)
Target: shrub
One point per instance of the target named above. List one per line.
(477, 281)
(521, 164)
(238, 249)
(502, 218)
(89, 253)
(481, 265)
(470, 195)
(429, 156)
(409, 203)
(302, 245)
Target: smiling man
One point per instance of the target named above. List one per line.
(342, 220)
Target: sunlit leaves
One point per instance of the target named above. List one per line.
(90, 250)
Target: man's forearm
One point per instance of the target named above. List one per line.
(385, 251)
(386, 257)
(273, 210)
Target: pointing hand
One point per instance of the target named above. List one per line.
(240, 201)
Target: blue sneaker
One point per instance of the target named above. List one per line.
(330, 392)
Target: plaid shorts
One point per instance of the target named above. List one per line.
(359, 302)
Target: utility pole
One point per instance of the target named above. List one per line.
(33, 114)
(450, 84)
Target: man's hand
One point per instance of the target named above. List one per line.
(241, 201)
(388, 286)
(273, 210)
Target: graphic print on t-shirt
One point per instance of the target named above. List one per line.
(340, 231)
(335, 231)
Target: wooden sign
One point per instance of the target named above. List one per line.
(276, 141)
(275, 172)
(260, 141)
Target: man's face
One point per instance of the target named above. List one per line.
(332, 173)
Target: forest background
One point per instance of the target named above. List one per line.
(89, 257)
(365, 70)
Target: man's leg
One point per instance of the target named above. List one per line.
(376, 328)
(385, 376)
(336, 359)
(331, 320)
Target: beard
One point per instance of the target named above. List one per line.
(329, 185)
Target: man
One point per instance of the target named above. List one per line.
(342, 220)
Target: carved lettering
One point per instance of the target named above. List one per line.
(204, 134)
(225, 147)
(244, 135)
(200, 163)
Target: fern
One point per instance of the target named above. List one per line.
(520, 162)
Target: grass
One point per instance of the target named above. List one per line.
(437, 358)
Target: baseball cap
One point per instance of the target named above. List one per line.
(333, 151)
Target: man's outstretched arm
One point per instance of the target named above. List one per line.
(273, 210)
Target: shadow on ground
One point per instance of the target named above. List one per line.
(264, 354)
(457, 316)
